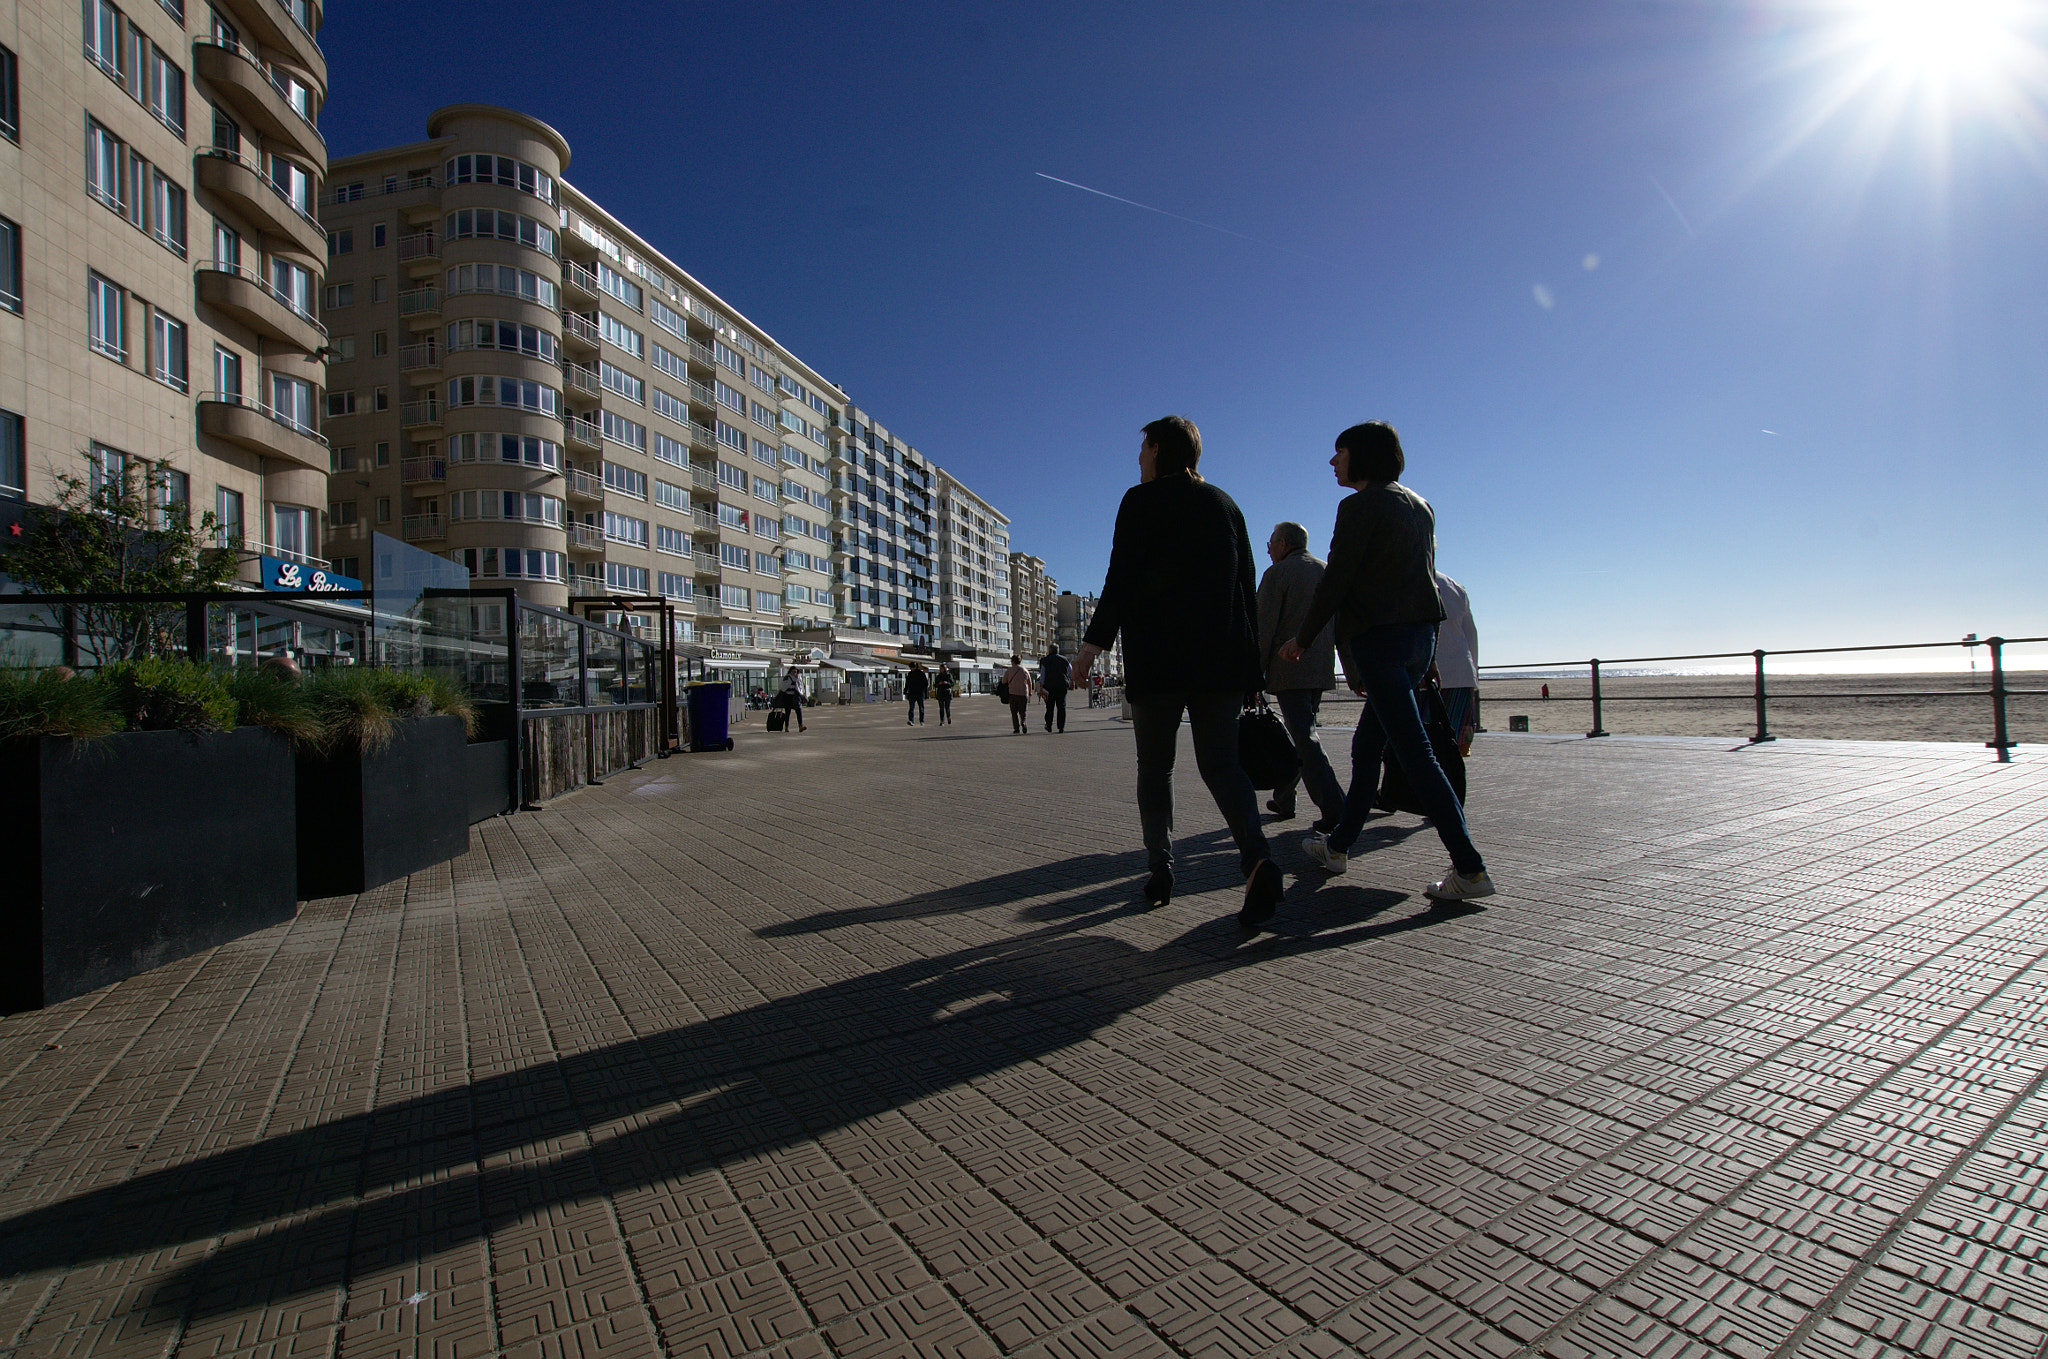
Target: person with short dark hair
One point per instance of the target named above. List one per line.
(1380, 587)
(1180, 589)
(1054, 672)
(916, 685)
(1298, 686)
(942, 691)
(1017, 693)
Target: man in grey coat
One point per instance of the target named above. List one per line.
(1284, 594)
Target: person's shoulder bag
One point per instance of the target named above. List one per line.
(1396, 794)
(1264, 748)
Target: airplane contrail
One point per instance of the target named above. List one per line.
(1208, 226)
(1674, 207)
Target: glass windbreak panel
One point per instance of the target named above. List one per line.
(606, 675)
(31, 638)
(549, 663)
(646, 657)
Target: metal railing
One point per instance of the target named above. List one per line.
(356, 192)
(412, 471)
(238, 50)
(251, 403)
(415, 300)
(425, 354)
(413, 414)
(581, 378)
(582, 327)
(1997, 691)
(424, 527)
(420, 245)
(218, 153)
(585, 537)
(582, 484)
(579, 276)
(585, 432)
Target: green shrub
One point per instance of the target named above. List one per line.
(157, 693)
(266, 700)
(45, 703)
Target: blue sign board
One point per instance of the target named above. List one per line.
(299, 578)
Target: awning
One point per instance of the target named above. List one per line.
(838, 664)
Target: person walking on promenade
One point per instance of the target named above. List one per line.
(1284, 594)
(1457, 660)
(790, 699)
(1180, 588)
(1017, 691)
(915, 686)
(1053, 673)
(1380, 586)
(942, 690)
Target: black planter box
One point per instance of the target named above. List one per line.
(137, 849)
(365, 820)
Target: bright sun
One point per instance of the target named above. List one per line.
(1944, 41)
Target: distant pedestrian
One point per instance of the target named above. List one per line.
(1284, 594)
(1457, 661)
(1017, 692)
(1546, 691)
(1380, 586)
(1180, 589)
(790, 699)
(915, 686)
(1054, 672)
(942, 690)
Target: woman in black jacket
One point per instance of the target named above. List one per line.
(1182, 588)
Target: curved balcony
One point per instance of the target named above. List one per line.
(248, 297)
(286, 24)
(239, 81)
(242, 182)
(248, 423)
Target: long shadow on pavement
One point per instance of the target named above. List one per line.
(375, 1191)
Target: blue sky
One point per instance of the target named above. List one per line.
(1582, 254)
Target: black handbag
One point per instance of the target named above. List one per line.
(1396, 793)
(1264, 748)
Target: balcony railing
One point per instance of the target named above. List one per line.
(251, 403)
(703, 521)
(413, 301)
(586, 433)
(703, 436)
(583, 485)
(588, 587)
(424, 527)
(420, 245)
(581, 327)
(581, 378)
(585, 537)
(701, 352)
(414, 414)
(352, 193)
(706, 563)
(580, 277)
(426, 354)
(700, 392)
(413, 471)
(702, 478)
(218, 153)
(270, 79)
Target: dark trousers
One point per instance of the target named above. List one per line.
(916, 710)
(1018, 707)
(1298, 709)
(1212, 718)
(945, 711)
(1055, 702)
(1392, 660)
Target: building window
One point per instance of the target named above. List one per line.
(735, 596)
(291, 400)
(620, 381)
(341, 403)
(167, 212)
(167, 357)
(625, 480)
(227, 507)
(735, 556)
(514, 174)
(291, 530)
(380, 343)
(341, 513)
(383, 455)
(344, 349)
(621, 335)
(10, 96)
(380, 399)
(294, 286)
(106, 318)
(377, 288)
(227, 373)
(625, 579)
(624, 528)
(339, 295)
(377, 236)
(10, 266)
(343, 459)
(383, 509)
(13, 456)
(163, 91)
(340, 243)
(227, 245)
(619, 429)
(293, 183)
(106, 167)
(489, 223)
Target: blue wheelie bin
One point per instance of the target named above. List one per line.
(710, 704)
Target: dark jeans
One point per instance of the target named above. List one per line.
(945, 711)
(1018, 707)
(1155, 721)
(1391, 660)
(916, 710)
(1055, 702)
(1298, 709)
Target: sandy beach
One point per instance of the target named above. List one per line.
(1826, 707)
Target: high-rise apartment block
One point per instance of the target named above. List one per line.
(1032, 593)
(161, 260)
(974, 572)
(884, 551)
(524, 384)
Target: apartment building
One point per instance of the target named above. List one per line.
(160, 257)
(973, 575)
(1032, 594)
(524, 384)
(883, 544)
(1072, 613)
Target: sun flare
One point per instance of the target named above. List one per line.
(1945, 41)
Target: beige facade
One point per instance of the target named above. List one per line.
(157, 195)
(974, 571)
(1032, 594)
(527, 386)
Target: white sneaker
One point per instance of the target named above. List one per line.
(1456, 886)
(1329, 860)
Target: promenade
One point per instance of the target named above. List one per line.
(857, 1042)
